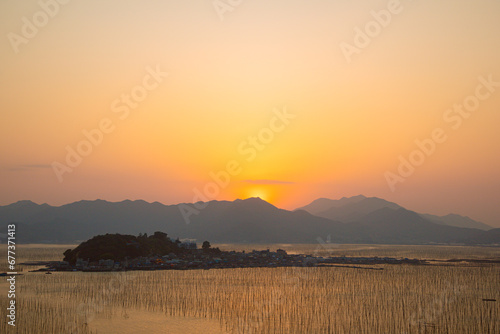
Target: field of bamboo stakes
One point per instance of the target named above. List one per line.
(398, 299)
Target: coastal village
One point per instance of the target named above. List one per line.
(210, 258)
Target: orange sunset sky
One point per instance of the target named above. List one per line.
(361, 81)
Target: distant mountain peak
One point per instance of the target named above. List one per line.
(355, 208)
(457, 220)
(86, 203)
(360, 197)
(254, 201)
(25, 203)
(255, 198)
(90, 201)
(347, 209)
(250, 200)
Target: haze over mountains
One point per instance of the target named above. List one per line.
(349, 220)
(352, 209)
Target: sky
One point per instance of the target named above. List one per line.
(288, 100)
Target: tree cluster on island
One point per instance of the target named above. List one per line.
(118, 247)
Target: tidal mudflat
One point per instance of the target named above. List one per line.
(446, 297)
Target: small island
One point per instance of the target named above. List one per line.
(118, 252)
